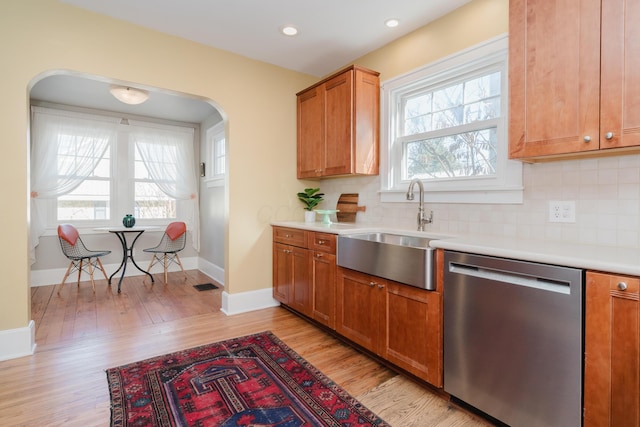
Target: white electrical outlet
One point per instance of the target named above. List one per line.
(562, 211)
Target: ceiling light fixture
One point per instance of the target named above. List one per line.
(129, 95)
(391, 23)
(289, 30)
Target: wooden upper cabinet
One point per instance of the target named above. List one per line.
(573, 78)
(338, 125)
(620, 81)
(310, 132)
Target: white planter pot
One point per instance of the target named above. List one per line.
(309, 216)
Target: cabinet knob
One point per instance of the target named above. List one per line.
(287, 236)
(321, 242)
(609, 135)
(380, 286)
(318, 255)
(622, 286)
(586, 138)
(372, 284)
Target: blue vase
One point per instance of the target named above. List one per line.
(128, 221)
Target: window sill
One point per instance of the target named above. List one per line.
(214, 182)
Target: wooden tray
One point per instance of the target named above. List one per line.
(348, 207)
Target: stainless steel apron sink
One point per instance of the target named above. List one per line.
(397, 257)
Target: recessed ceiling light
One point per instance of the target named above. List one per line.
(391, 23)
(289, 30)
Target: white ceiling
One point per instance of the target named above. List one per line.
(86, 92)
(332, 33)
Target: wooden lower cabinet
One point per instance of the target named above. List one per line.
(612, 351)
(413, 331)
(282, 272)
(360, 305)
(323, 283)
(291, 284)
(301, 297)
(400, 323)
(304, 266)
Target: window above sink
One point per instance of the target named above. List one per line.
(446, 124)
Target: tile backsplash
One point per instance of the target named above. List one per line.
(606, 192)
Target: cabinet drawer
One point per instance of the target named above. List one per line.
(290, 236)
(322, 242)
(625, 284)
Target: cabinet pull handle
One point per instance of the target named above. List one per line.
(318, 255)
(321, 242)
(609, 135)
(622, 286)
(286, 251)
(287, 235)
(586, 138)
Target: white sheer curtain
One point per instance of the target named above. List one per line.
(66, 147)
(168, 154)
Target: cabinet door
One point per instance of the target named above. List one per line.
(554, 77)
(612, 356)
(366, 126)
(323, 278)
(358, 304)
(338, 112)
(413, 331)
(310, 145)
(300, 297)
(282, 272)
(620, 81)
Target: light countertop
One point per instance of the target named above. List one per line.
(593, 257)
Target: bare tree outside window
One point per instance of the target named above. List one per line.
(448, 132)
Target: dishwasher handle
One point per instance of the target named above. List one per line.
(510, 277)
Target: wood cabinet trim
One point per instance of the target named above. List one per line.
(337, 73)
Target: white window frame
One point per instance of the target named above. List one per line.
(122, 182)
(213, 176)
(506, 187)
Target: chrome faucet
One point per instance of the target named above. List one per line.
(421, 219)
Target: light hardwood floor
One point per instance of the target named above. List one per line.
(80, 335)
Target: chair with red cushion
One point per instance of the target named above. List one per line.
(173, 241)
(82, 259)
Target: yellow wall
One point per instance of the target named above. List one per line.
(471, 24)
(37, 36)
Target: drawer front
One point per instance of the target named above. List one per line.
(322, 242)
(290, 236)
(624, 285)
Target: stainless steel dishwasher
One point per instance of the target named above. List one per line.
(513, 339)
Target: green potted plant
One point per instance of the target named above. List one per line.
(311, 197)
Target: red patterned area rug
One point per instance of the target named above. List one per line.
(251, 381)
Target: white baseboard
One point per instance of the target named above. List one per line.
(247, 301)
(18, 342)
(54, 276)
(211, 270)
